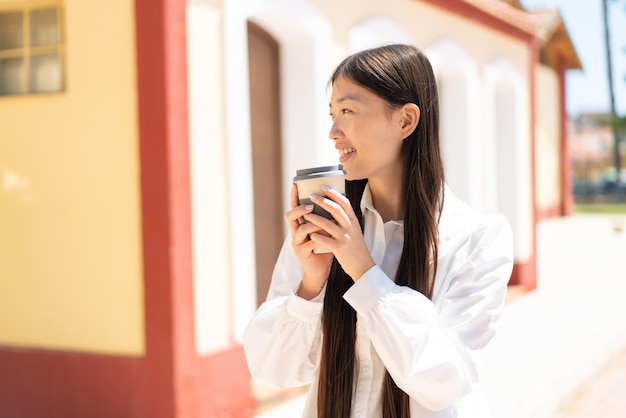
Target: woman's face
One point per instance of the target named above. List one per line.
(367, 134)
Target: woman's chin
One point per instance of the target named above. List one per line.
(352, 177)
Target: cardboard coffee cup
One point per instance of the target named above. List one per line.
(311, 180)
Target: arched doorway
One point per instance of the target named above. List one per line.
(510, 171)
(264, 62)
(457, 81)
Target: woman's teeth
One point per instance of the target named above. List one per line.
(345, 151)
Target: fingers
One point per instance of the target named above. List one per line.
(302, 233)
(295, 217)
(301, 237)
(294, 196)
(334, 202)
(344, 223)
(337, 205)
(325, 226)
(336, 196)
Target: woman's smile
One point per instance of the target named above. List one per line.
(345, 153)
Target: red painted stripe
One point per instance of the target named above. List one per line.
(53, 384)
(38, 383)
(475, 14)
(525, 274)
(155, 393)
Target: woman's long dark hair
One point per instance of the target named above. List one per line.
(399, 74)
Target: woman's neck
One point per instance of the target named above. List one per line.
(387, 199)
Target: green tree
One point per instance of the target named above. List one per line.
(617, 123)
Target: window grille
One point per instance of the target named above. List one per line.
(31, 51)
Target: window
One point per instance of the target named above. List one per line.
(31, 51)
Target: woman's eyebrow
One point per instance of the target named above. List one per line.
(346, 98)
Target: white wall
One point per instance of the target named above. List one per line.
(314, 35)
(460, 107)
(507, 119)
(548, 139)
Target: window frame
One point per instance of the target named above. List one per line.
(26, 51)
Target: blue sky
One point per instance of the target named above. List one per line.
(588, 89)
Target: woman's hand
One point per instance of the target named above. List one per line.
(316, 266)
(345, 238)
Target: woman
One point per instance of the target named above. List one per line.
(389, 324)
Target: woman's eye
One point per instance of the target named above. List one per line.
(342, 111)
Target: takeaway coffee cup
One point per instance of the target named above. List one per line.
(311, 180)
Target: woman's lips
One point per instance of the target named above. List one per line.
(345, 154)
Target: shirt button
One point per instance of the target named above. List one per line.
(365, 370)
(359, 414)
(379, 246)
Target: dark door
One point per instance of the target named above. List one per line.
(263, 56)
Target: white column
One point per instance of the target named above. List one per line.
(515, 169)
(236, 101)
(460, 103)
(209, 194)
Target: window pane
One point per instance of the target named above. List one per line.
(11, 76)
(45, 73)
(11, 35)
(43, 27)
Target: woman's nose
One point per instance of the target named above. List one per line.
(334, 133)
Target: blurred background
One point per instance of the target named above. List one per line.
(147, 148)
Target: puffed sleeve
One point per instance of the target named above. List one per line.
(429, 348)
(282, 342)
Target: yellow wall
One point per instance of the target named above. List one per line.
(70, 238)
(548, 142)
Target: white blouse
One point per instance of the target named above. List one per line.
(430, 348)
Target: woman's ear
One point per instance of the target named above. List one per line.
(409, 119)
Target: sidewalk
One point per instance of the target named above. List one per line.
(603, 396)
(552, 340)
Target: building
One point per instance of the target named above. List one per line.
(145, 153)
(593, 161)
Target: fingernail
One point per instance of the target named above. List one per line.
(313, 197)
(309, 207)
(325, 188)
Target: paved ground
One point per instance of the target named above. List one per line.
(603, 396)
(554, 340)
